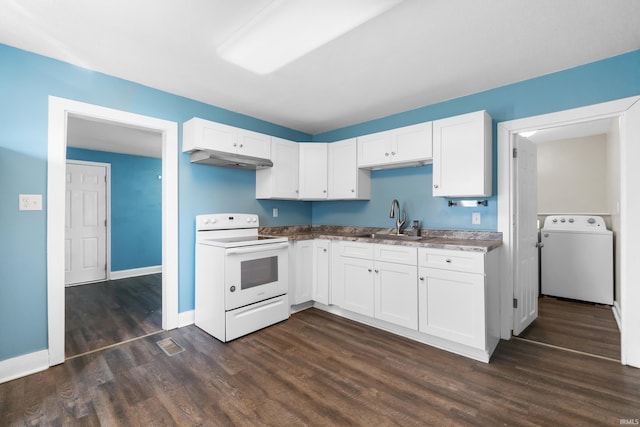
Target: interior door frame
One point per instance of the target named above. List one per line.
(107, 167)
(630, 352)
(59, 111)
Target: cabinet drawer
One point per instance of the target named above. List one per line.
(356, 250)
(396, 253)
(469, 262)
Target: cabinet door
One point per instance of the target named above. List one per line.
(253, 144)
(321, 272)
(396, 294)
(304, 272)
(413, 143)
(374, 149)
(462, 156)
(357, 285)
(313, 171)
(281, 180)
(451, 306)
(343, 171)
(200, 134)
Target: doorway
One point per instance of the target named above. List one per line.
(124, 301)
(628, 111)
(60, 110)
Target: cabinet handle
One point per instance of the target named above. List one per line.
(386, 154)
(393, 153)
(353, 191)
(324, 250)
(376, 271)
(235, 144)
(297, 191)
(241, 146)
(324, 191)
(369, 270)
(435, 185)
(422, 278)
(448, 260)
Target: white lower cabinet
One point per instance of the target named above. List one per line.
(459, 297)
(396, 294)
(300, 271)
(355, 285)
(321, 270)
(365, 282)
(452, 305)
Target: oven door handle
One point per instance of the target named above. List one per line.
(259, 248)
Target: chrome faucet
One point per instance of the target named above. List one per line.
(392, 214)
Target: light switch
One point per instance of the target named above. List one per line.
(475, 218)
(30, 202)
(275, 212)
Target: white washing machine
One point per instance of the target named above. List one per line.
(577, 258)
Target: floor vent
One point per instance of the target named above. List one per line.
(170, 347)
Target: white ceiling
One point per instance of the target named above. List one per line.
(576, 130)
(113, 137)
(419, 53)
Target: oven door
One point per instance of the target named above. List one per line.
(255, 273)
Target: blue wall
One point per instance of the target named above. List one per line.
(136, 207)
(613, 78)
(26, 80)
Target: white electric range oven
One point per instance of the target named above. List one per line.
(241, 277)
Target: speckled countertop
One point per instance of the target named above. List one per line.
(476, 241)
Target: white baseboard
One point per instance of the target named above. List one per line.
(186, 318)
(617, 313)
(22, 366)
(135, 272)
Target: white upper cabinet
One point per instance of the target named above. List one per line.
(200, 134)
(281, 180)
(345, 180)
(313, 171)
(401, 147)
(462, 156)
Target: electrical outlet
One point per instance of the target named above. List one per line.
(275, 212)
(30, 202)
(475, 218)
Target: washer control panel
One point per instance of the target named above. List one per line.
(574, 222)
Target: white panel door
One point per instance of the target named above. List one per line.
(313, 170)
(321, 272)
(85, 224)
(396, 294)
(525, 289)
(358, 293)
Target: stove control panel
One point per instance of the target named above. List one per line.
(226, 221)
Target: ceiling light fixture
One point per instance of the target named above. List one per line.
(288, 29)
(528, 134)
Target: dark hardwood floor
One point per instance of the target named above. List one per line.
(106, 313)
(319, 369)
(577, 326)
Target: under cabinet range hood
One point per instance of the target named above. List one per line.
(229, 160)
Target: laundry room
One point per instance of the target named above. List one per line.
(578, 188)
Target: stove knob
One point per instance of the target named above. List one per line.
(255, 219)
(248, 219)
(591, 221)
(206, 221)
(232, 289)
(563, 220)
(571, 220)
(555, 220)
(213, 221)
